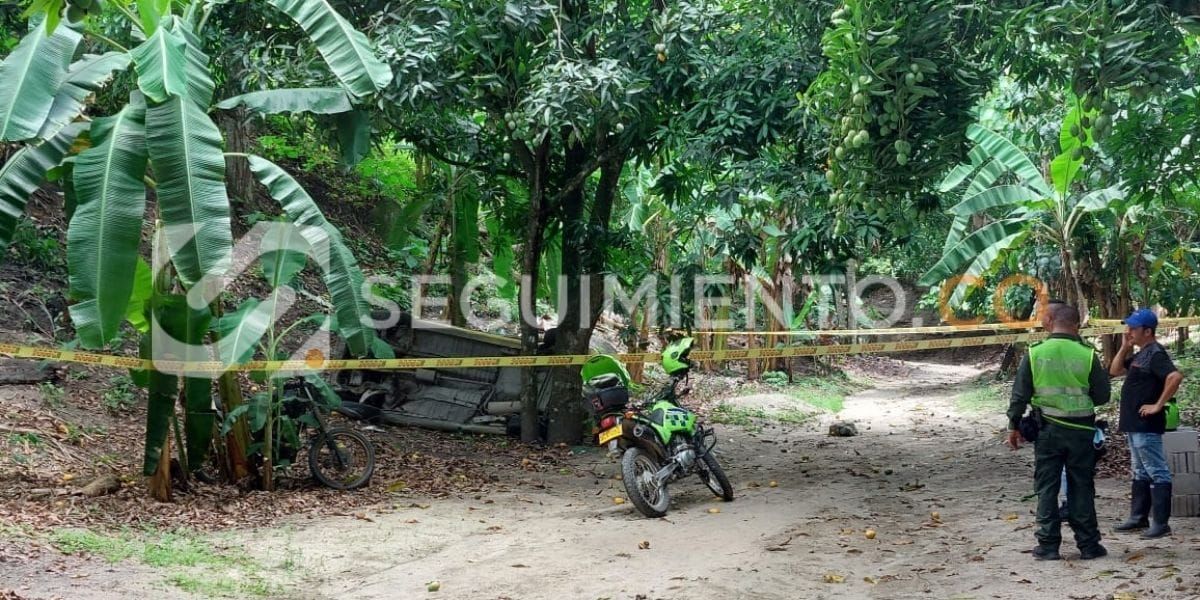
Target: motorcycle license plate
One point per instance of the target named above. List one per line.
(611, 433)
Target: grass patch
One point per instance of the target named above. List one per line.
(728, 414)
(82, 541)
(794, 416)
(190, 562)
(223, 587)
(811, 396)
(984, 397)
(824, 393)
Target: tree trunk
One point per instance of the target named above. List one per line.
(590, 254)
(537, 167)
(458, 254)
(232, 454)
(637, 320)
(239, 137)
(160, 482)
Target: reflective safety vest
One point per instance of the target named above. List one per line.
(1061, 371)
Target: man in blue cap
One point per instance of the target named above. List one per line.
(1151, 380)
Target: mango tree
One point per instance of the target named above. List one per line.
(163, 140)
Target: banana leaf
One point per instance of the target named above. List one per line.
(31, 76)
(242, 330)
(346, 50)
(970, 248)
(1008, 154)
(318, 101)
(25, 172)
(340, 269)
(106, 227)
(161, 64)
(185, 150)
(84, 79)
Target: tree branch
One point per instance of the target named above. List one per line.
(582, 175)
(484, 167)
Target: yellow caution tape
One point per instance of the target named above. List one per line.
(888, 331)
(1162, 324)
(316, 362)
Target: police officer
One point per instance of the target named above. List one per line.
(1063, 379)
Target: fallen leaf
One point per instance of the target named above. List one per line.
(644, 545)
(397, 486)
(520, 566)
(773, 484)
(618, 500)
(870, 580)
(1011, 517)
(363, 517)
(834, 578)
(713, 511)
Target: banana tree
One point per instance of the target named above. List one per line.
(1041, 209)
(164, 140)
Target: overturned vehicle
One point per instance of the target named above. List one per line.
(469, 399)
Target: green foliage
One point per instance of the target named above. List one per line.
(775, 378)
(1049, 212)
(120, 396)
(52, 394)
(33, 246)
(729, 414)
(187, 560)
(983, 398)
(106, 227)
(897, 91)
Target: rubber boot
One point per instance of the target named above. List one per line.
(1139, 507)
(1160, 511)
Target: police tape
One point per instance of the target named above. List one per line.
(314, 361)
(966, 327)
(963, 328)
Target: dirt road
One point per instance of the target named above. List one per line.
(917, 454)
(946, 500)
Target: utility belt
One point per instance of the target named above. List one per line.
(1031, 425)
(1064, 423)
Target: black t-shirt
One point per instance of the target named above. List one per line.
(1144, 382)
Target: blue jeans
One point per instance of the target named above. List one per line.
(1146, 457)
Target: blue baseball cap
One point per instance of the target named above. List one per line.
(1143, 317)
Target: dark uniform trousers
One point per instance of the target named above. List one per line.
(1056, 447)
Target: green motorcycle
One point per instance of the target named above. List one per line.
(660, 441)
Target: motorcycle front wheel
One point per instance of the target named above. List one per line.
(649, 496)
(714, 477)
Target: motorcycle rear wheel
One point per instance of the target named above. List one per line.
(637, 470)
(342, 459)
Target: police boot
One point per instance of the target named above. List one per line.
(1160, 513)
(1139, 507)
